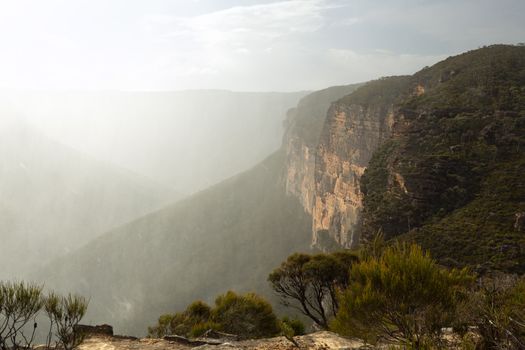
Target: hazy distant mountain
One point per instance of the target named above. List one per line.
(188, 139)
(54, 199)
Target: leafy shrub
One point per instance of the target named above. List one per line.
(182, 323)
(401, 296)
(198, 311)
(248, 316)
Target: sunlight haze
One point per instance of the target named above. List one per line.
(238, 45)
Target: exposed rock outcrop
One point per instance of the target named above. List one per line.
(303, 130)
(315, 341)
(329, 141)
(351, 135)
(355, 127)
(104, 330)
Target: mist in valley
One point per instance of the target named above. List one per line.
(69, 176)
(147, 148)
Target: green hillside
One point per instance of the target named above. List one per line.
(452, 176)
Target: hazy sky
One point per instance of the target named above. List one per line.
(238, 45)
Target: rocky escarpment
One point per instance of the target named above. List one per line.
(303, 129)
(355, 127)
(329, 140)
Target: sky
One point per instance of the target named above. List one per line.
(252, 45)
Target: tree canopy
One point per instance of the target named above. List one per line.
(309, 283)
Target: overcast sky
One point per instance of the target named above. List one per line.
(253, 45)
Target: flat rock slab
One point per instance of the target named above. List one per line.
(110, 343)
(314, 341)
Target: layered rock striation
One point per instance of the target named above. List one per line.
(304, 125)
(351, 135)
(355, 127)
(330, 139)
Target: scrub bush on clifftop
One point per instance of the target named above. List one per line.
(497, 309)
(21, 303)
(402, 295)
(186, 323)
(65, 314)
(247, 315)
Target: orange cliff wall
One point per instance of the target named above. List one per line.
(324, 171)
(351, 135)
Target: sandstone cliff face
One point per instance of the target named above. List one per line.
(351, 134)
(329, 141)
(303, 129)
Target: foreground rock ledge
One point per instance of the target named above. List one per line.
(317, 341)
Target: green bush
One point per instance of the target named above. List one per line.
(198, 311)
(182, 323)
(400, 296)
(248, 316)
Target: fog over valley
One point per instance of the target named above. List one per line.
(187, 140)
(77, 164)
